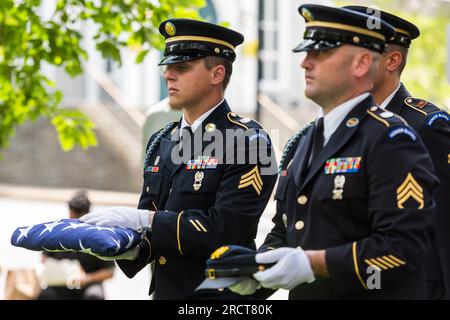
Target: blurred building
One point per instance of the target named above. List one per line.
(127, 102)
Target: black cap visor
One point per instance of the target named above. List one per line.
(316, 45)
(173, 58)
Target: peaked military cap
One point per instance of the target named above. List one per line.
(330, 27)
(232, 261)
(405, 31)
(188, 39)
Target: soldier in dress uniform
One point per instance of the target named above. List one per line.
(433, 126)
(196, 198)
(354, 197)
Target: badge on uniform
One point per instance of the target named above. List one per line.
(198, 178)
(202, 162)
(343, 165)
(338, 190)
(152, 169)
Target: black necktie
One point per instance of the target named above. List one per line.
(317, 140)
(187, 142)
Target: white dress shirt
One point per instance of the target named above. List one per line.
(199, 120)
(389, 98)
(333, 119)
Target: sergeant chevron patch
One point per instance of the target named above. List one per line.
(252, 178)
(410, 188)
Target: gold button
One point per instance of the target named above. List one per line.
(162, 260)
(233, 114)
(302, 200)
(374, 108)
(148, 189)
(409, 100)
(299, 225)
(221, 289)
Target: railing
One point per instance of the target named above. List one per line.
(278, 112)
(106, 84)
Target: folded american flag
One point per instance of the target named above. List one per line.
(73, 235)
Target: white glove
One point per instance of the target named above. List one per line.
(127, 255)
(291, 269)
(125, 217)
(245, 287)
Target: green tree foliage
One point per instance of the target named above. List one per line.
(28, 40)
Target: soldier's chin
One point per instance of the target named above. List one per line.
(175, 105)
(309, 93)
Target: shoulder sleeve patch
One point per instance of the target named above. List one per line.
(402, 130)
(436, 116)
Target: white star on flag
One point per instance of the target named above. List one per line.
(24, 232)
(130, 240)
(75, 226)
(117, 242)
(49, 226)
(102, 228)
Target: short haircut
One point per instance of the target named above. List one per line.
(80, 203)
(212, 61)
(404, 51)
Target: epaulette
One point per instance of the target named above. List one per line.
(422, 106)
(154, 144)
(291, 143)
(386, 117)
(240, 121)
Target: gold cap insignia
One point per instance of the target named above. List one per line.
(219, 252)
(170, 29)
(307, 15)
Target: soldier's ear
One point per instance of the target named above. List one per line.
(394, 60)
(362, 63)
(217, 74)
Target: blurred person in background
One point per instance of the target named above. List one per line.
(75, 275)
